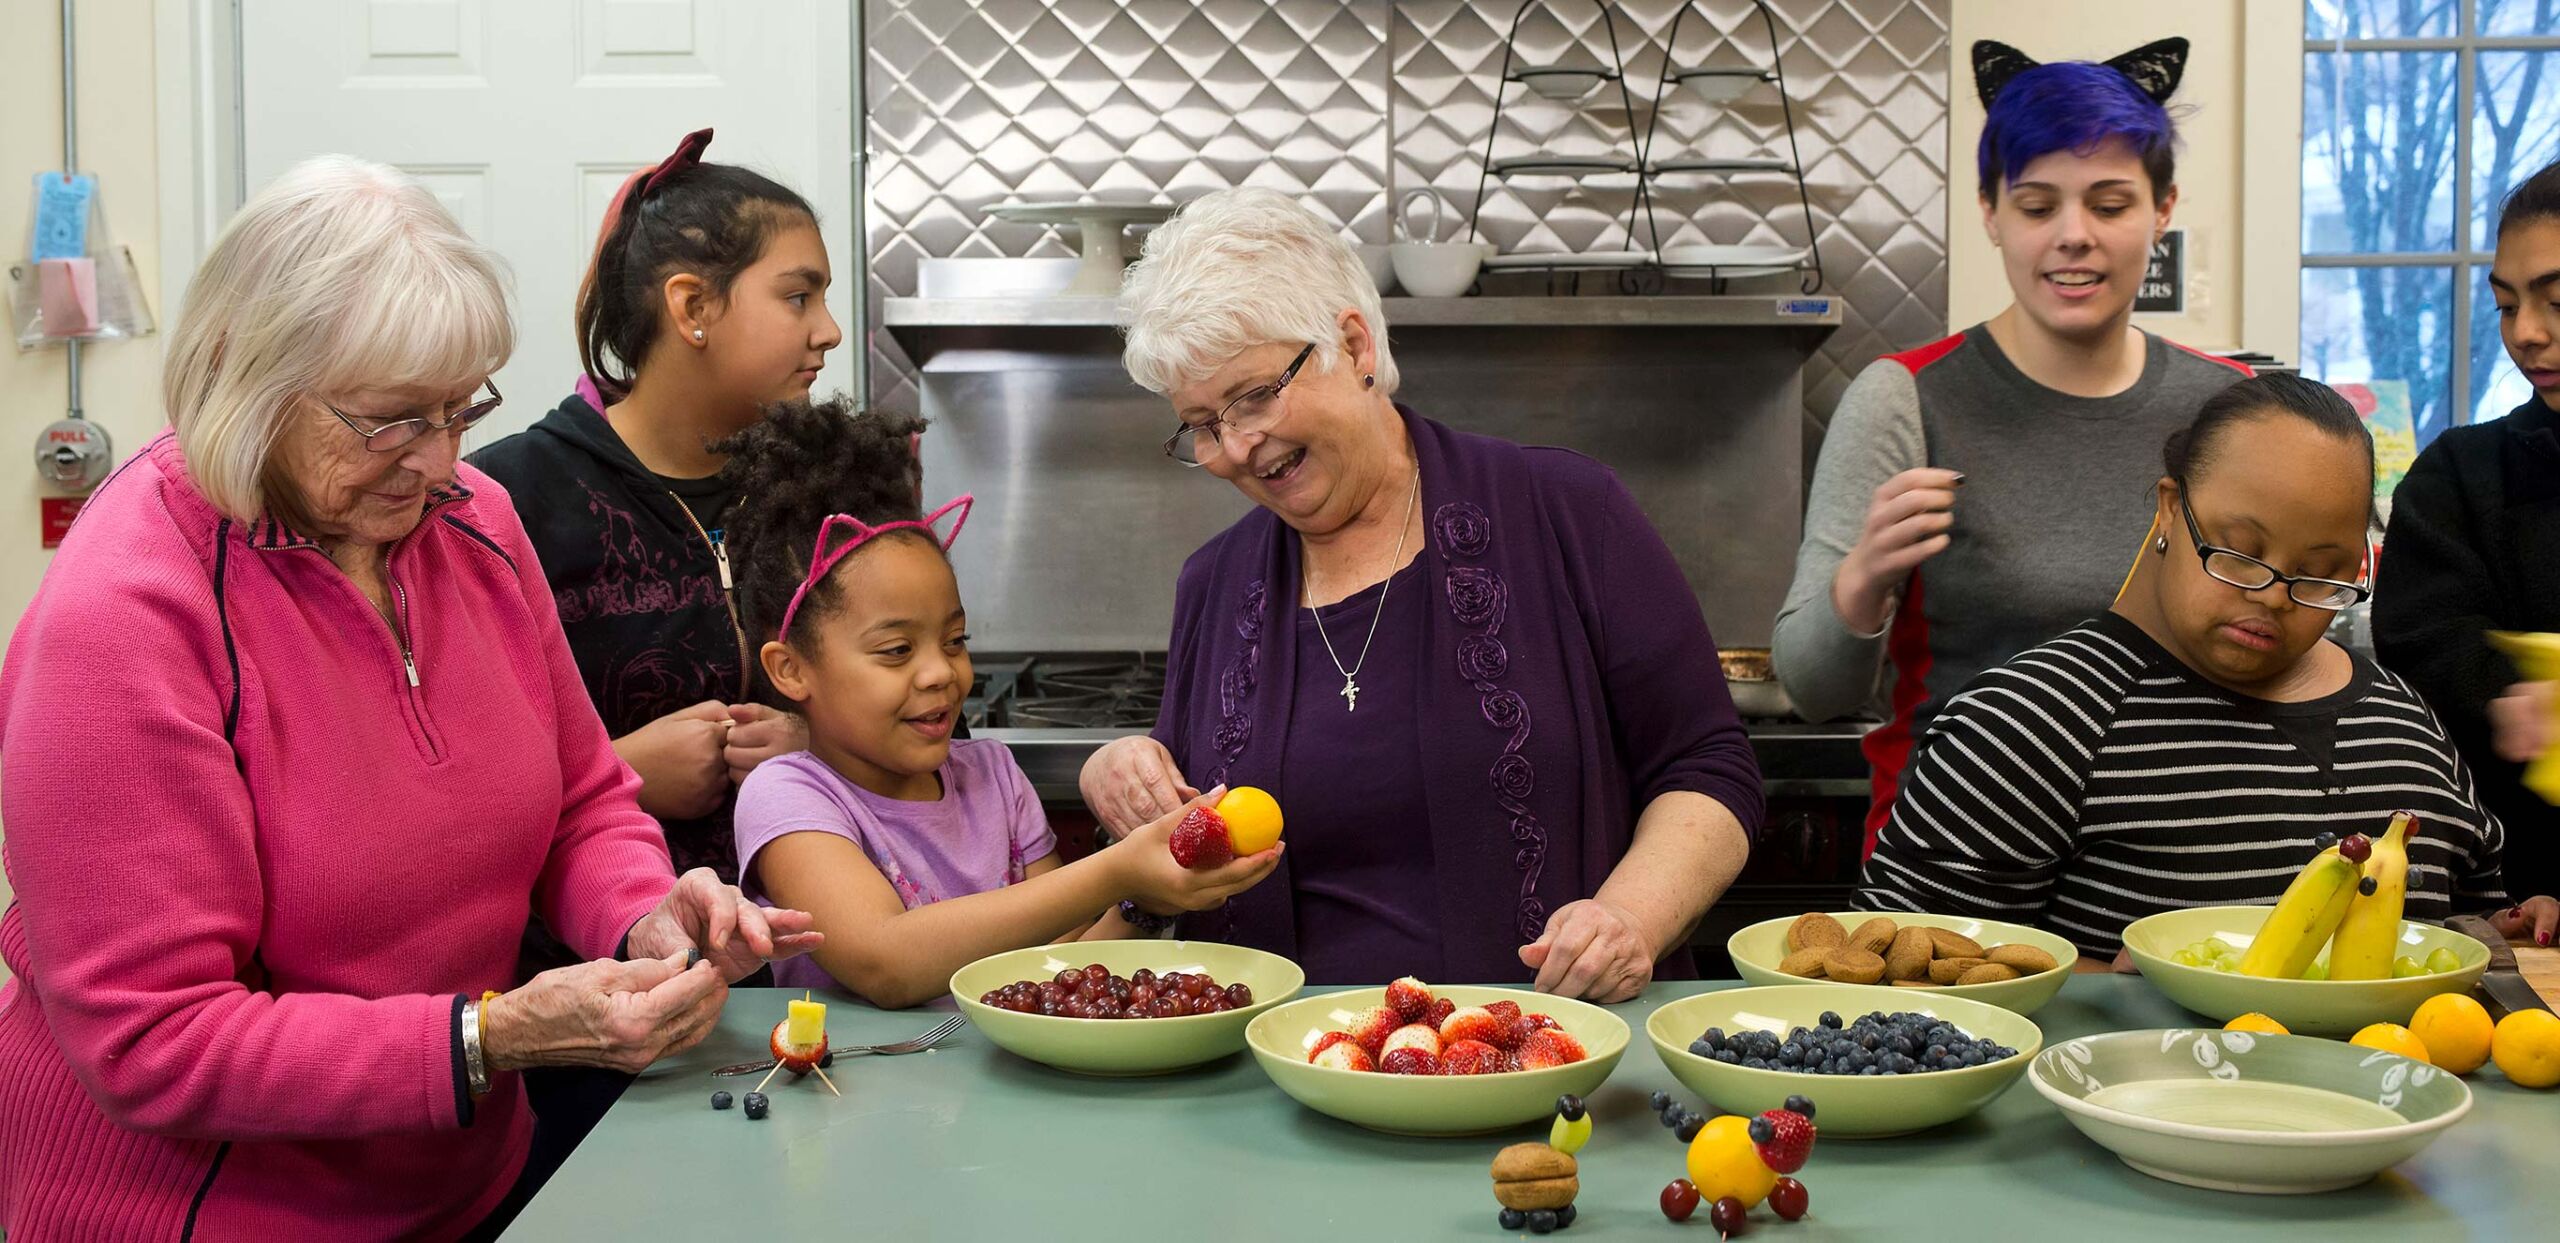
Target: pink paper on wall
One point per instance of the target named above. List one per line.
(67, 294)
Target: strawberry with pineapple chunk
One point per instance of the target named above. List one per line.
(1783, 1138)
(1410, 1061)
(1470, 1023)
(1414, 1036)
(1373, 1027)
(1201, 840)
(1472, 1057)
(1410, 998)
(1549, 1047)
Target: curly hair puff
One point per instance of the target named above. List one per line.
(792, 469)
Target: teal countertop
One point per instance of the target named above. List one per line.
(970, 1142)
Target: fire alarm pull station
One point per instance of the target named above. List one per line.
(73, 454)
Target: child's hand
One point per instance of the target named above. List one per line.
(1157, 882)
(758, 733)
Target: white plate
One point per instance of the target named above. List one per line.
(1060, 212)
(1559, 165)
(1705, 256)
(1752, 164)
(1560, 259)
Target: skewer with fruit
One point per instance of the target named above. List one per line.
(799, 1044)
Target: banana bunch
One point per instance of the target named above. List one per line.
(2311, 910)
(2370, 934)
(2537, 657)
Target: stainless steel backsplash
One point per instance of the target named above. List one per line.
(1351, 103)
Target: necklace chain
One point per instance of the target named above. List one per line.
(1351, 676)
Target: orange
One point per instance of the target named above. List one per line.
(2256, 1022)
(2456, 1031)
(2526, 1046)
(1723, 1163)
(1253, 819)
(2391, 1038)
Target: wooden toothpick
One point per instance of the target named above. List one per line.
(768, 1075)
(821, 1072)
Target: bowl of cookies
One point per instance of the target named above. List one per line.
(2012, 966)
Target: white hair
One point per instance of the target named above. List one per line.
(340, 276)
(1241, 268)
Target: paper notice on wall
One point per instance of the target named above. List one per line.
(2384, 406)
(63, 201)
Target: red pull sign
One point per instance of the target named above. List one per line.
(58, 513)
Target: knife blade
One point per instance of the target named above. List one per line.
(2502, 988)
(745, 1068)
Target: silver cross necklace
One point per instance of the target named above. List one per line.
(1351, 676)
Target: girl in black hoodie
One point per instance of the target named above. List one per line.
(2474, 546)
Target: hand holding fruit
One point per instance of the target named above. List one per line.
(736, 936)
(1131, 781)
(1592, 950)
(618, 1015)
(1153, 873)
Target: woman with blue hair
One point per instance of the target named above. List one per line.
(2044, 419)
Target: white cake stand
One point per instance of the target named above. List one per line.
(1101, 226)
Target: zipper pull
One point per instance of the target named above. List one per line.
(410, 663)
(720, 553)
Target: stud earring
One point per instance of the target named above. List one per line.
(697, 334)
(2161, 544)
(1368, 381)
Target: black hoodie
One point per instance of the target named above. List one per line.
(635, 564)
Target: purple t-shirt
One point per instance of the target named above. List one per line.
(979, 836)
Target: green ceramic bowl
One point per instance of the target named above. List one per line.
(1124, 1046)
(2240, 1112)
(1758, 949)
(1846, 1106)
(1419, 1105)
(2305, 1007)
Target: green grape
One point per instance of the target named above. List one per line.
(2404, 967)
(2443, 960)
(2220, 946)
(2199, 949)
(2186, 958)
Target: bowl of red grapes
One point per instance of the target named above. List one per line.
(1123, 1007)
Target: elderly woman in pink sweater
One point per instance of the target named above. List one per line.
(293, 749)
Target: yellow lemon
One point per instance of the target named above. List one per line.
(2391, 1038)
(2256, 1022)
(2456, 1031)
(2526, 1046)
(1253, 819)
(1723, 1163)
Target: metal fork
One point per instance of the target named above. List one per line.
(914, 1044)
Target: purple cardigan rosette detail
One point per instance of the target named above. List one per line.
(1554, 603)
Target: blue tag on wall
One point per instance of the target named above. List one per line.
(62, 214)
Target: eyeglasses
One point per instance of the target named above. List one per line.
(2250, 574)
(398, 433)
(1251, 411)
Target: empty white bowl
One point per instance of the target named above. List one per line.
(1438, 269)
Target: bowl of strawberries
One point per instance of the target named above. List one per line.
(1412, 1059)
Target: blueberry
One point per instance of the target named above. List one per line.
(1715, 1035)
(719, 1100)
(1660, 1101)
(756, 1105)
(1689, 1128)
(1513, 1219)
(828, 1062)
(1570, 1106)
(1830, 1019)
(1542, 1221)
(1565, 1216)
(1670, 1117)
(1761, 1131)
(1800, 1105)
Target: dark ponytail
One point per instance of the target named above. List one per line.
(790, 470)
(2194, 448)
(2535, 198)
(711, 220)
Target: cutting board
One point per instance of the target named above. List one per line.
(2540, 967)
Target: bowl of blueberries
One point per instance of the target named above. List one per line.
(1883, 1061)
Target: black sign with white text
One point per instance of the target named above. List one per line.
(2164, 278)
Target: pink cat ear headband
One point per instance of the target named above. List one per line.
(824, 559)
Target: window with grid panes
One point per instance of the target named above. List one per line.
(2417, 117)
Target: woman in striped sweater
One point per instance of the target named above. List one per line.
(2183, 748)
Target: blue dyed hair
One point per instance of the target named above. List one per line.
(2078, 107)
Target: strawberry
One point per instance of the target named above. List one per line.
(1472, 1057)
(1414, 1036)
(1510, 1035)
(1327, 1041)
(1201, 841)
(1372, 1028)
(1548, 1048)
(1504, 1011)
(1470, 1023)
(796, 1060)
(1790, 1140)
(1539, 1020)
(1441, 1009)
(1409, 997)
(1410, 1061)
(1345, 1055)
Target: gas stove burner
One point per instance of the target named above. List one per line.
(1079, 690)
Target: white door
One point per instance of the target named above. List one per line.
(525, 115)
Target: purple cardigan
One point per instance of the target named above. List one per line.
(1574, 682)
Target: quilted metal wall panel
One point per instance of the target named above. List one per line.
(1352, 102)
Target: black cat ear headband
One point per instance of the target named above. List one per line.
(2154, 67)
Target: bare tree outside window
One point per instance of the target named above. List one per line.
(2418, 116)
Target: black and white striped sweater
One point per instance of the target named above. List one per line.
(2094, 780)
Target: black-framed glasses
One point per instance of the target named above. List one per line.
(2250, 574)
(399, 433)
(1252, 411)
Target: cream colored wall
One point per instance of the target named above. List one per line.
(118, 143)
(2239, 172)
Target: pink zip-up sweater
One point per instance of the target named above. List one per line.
(263, 842)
